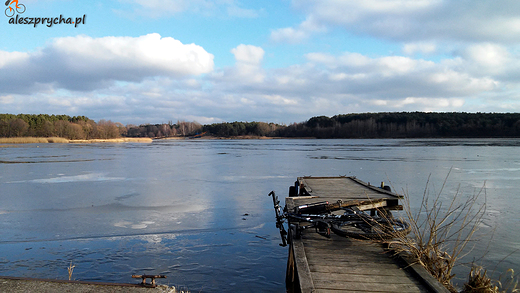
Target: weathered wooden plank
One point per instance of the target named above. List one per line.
(338, 247)
(353, 256)
(352, 260)
(343, 244)
(361, 278)
(304, 274)
(334, 237)
(365, 286)
(422, 274)
(345, 264)
(335, 248)
(328, 290)
(376, 270)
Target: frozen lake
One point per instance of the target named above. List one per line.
(198, 211)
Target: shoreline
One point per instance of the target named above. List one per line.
(27, 140)
(6, 141)
(23, 284)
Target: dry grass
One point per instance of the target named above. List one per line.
(33, 140)
(71, 269)
(57, 140)
(479, 282)
(441, 234)
(168, 289)
(21, 140)
(114, 140)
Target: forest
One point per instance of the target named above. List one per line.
(407, 125)
(43, 125)
(362, 125)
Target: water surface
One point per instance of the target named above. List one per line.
(198, 212)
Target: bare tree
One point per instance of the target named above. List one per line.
(18, 127)
(182, 127)
(60, 128)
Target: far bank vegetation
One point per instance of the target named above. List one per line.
(49, 128)
(63, 126)
(407, 125)
(365, 125)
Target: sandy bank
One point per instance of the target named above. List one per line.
(114, 140)
(18, 140)
(23, 285)
(22, 140)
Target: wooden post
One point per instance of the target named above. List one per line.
(151, 277)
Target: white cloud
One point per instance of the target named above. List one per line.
(489, 58)
(8, 99)
(131, 80)
(85, 63)
(321, 58)
(289, 35)
(397, 65)
(248, 54)
(8, 58)
(148, 53)
(354, 82)
(414, 20)
(299, 34)
(280, 100)
(248, 64)
(350, 10)
(424, 48)
(234, 10)
(428, 103)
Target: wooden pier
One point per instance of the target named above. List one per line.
(340, 264)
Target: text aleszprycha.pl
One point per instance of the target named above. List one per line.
(48, 21)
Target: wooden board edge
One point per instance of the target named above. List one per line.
(302, 267)
(422, 274)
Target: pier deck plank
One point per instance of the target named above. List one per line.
(340, 264)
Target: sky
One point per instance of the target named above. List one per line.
(212, 61)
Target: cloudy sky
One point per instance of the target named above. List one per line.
(154, 61)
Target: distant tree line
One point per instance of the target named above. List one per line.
(181, 128)
(227, 129)
(407, 125)
(364, 125)
(43, 125)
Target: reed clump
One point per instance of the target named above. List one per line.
(70, 269)
(114, 140)
(441, 233)
(479, 282)
(29, 139)
(57, 140)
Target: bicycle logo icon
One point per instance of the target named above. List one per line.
(9, 11)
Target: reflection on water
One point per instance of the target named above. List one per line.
(198, 212)
(62, 178)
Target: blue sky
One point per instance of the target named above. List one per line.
(139, 61)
